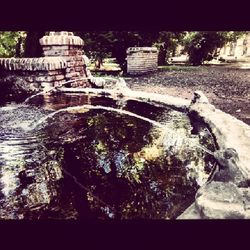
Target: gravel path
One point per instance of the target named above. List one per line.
(228, 88)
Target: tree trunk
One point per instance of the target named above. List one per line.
(119, 52)
(18, 47)
(98, 62)
(162, 56)
(32, 45)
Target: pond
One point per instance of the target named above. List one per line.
(76, 156)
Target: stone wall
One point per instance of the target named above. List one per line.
(36, 72)
(141, 60)
(63, 61)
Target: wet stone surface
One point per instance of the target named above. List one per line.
(98, 163)
(218, 200)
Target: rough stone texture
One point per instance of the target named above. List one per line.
(199, 97)
(176, 102)
(15, 88)
(218, 200)
(246, 200)
(33, 64)
(224, 197)
(61, 38)
(141, 60)
(191, 213)
(228, 169)
(229, 133)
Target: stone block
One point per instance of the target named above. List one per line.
(45, 78)
(54, 72)
(56, 53)
(78, 58)
(71, 64)
(30, 78)
(246, 200)
(71, 75)
(79, 63)
(45, 48)
(34, 85)
(59, 47)
(70, 59)
(79, 52)
(218, 200)
(191, 213)
(69, 70)
(79, 68)
(72, 52)
(61, 39)
(47, 84)
(59, 77)
(58, 84)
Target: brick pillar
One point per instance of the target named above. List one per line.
(70, 48)
(142, 60)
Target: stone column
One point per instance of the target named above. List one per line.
(70, 48)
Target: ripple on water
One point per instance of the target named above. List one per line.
(135, 160)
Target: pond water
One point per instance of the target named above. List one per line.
(73, 156)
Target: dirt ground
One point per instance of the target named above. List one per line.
(228, 88)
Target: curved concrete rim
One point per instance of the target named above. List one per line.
(229, 132)
(176, 102)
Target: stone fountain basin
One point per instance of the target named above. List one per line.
(221, 198)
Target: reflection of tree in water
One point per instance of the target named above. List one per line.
(111, 167)
(100, 164)
(107, 163)
(97, 159)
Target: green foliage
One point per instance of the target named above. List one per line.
(32, 44)
(97, 43)
(202, 46)
(115, 43)
(12, 43)
(167, 43)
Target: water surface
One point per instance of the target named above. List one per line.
(135, 160)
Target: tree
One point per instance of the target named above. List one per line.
(12, 43)
(167, 43)
(115, 43)
(97, 45)
(202, 46)
(32, 45)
